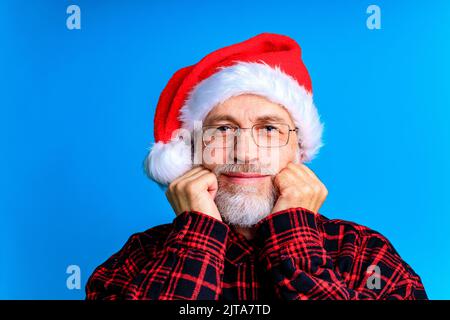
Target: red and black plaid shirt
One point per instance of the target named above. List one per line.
(295, 254)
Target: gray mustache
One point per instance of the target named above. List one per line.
(249, 168)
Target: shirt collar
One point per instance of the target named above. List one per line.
(239, 248)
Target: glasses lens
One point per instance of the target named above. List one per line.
(265, 135)
(271, 135)
(218, 136)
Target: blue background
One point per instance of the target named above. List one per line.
(77, 107)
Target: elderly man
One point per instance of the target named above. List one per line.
(232, 134)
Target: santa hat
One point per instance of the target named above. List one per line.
(268, 65)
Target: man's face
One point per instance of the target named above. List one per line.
(245, 168)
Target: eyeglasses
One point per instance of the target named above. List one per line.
(267, 135)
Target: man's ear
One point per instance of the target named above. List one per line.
(301, 157)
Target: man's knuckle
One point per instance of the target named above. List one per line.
(210, 175)
(317, 189)
(295, 194)
(171, 185)
(178, 188)
(190, 188)
(277, 178)
(307, 189)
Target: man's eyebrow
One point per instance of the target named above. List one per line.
(270, 118)
(264, 118)
(221, 117)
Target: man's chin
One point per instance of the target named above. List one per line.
(245, 205)
(259, 185)
(243, 223)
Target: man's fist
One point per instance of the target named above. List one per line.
(298, 186)
(194, 191)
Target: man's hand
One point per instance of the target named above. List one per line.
(299, 187)
(194, 191)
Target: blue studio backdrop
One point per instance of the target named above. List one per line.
(76, 121)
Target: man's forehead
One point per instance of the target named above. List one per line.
(254, 110)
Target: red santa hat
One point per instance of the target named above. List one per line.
(269, 65)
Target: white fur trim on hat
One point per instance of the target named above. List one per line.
(168, 161)
(163, 163)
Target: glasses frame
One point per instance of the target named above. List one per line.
(238, 132)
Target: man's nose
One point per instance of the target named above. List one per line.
(245, 149)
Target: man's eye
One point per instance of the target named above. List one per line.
(270, 128)
(223, 128)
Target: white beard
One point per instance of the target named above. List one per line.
(244, 206)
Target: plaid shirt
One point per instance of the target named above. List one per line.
(295, 254)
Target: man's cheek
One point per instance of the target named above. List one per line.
(272, 159)
(213, 156)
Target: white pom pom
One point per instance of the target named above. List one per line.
(168, 161)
